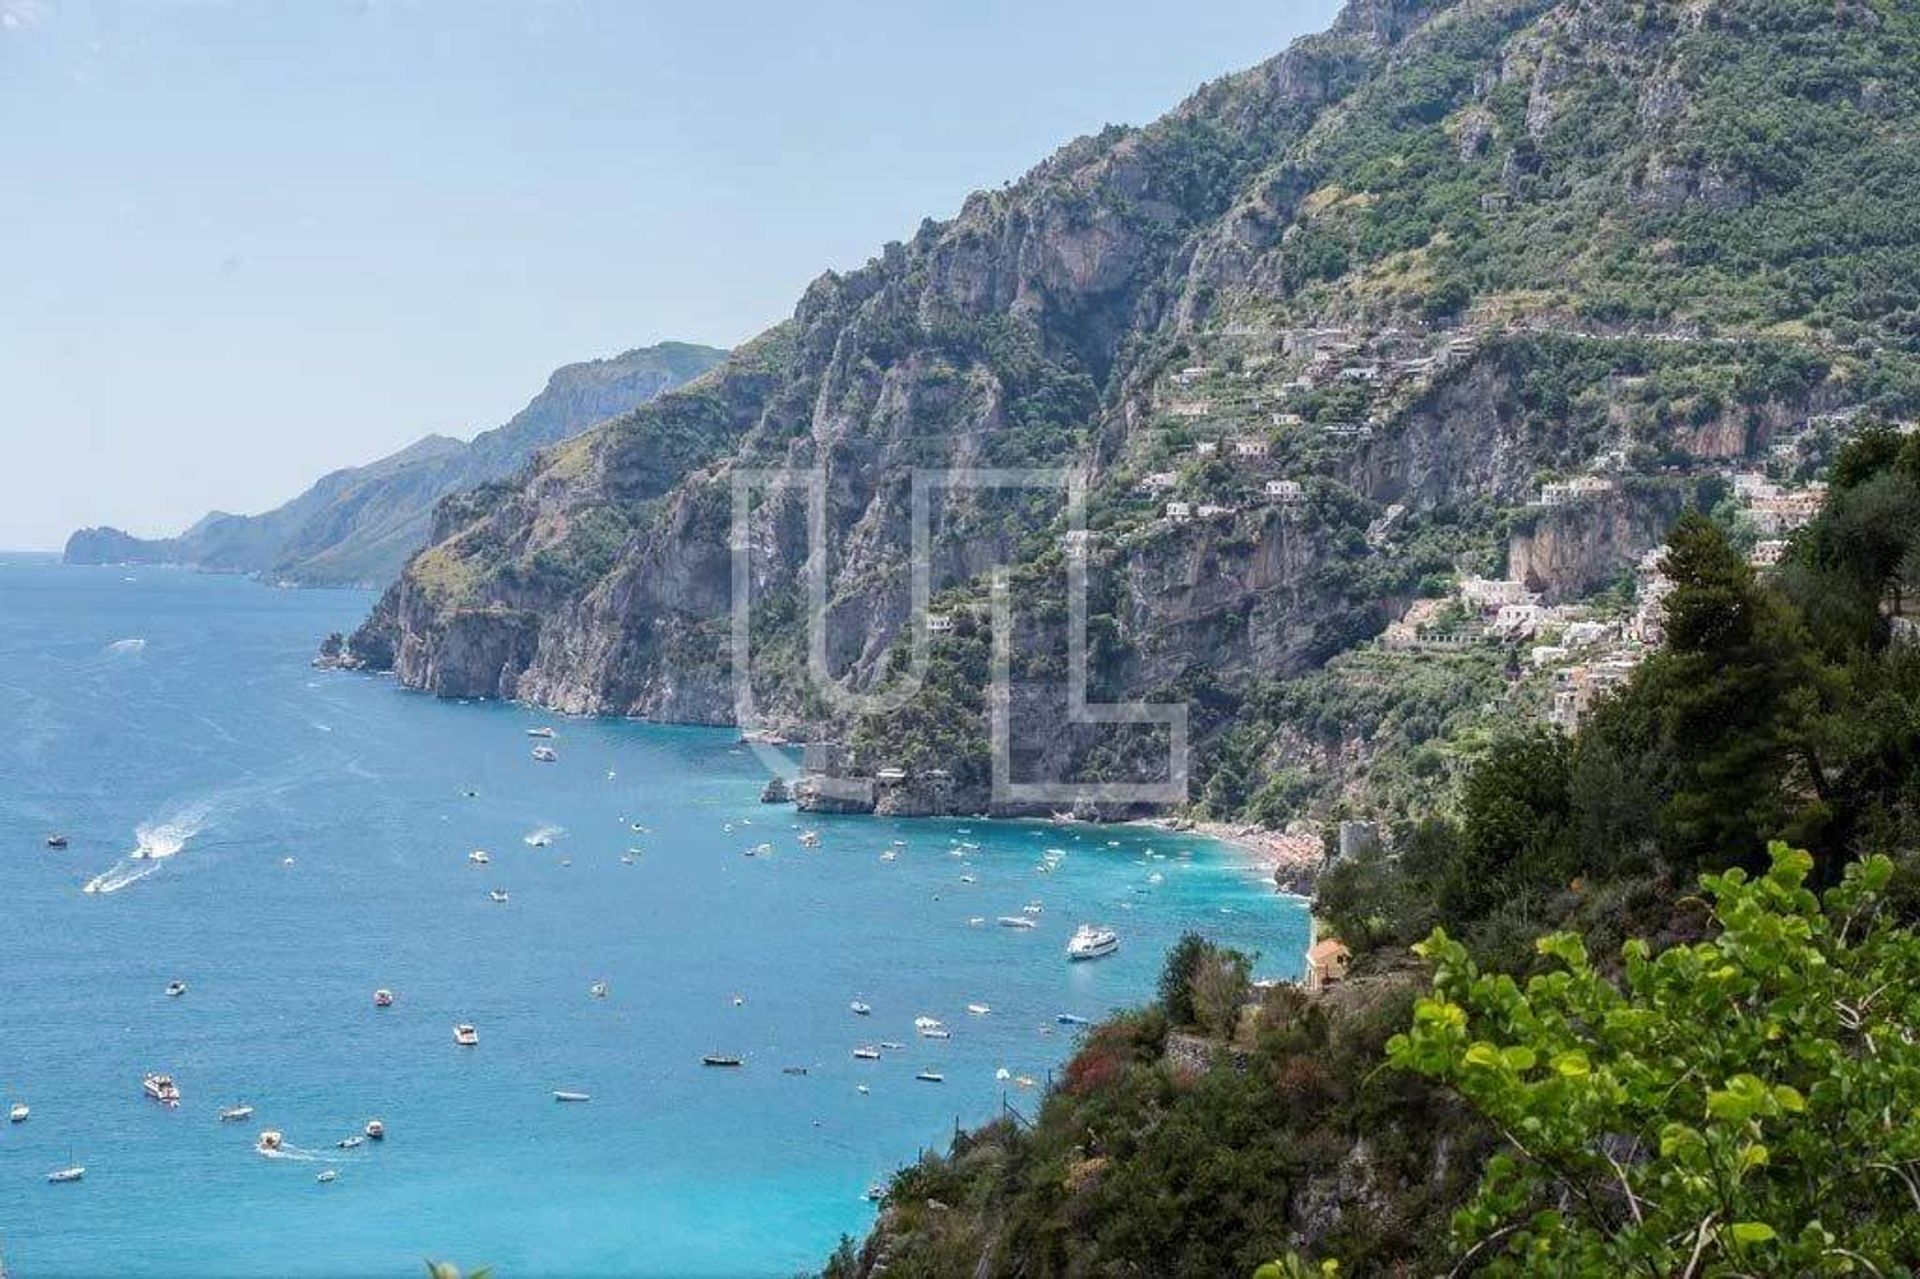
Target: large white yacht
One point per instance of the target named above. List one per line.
(1092, 942)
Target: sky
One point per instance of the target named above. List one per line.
(245, 243)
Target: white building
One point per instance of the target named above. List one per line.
(1179, 512)
(1286, 491)
(1249, 448)
(1208, 510)
(1159, 482)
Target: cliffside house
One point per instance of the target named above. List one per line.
(1767, 553)
(1327, 961)
(1158, 482)
(1179, 512)
(891, 776)
(1486, 593)
(1250, 448)
(1285, 491)
(939, 623)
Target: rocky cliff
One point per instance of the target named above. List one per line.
(1310, 342)
(360, 525)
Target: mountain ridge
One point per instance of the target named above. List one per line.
(359, 524)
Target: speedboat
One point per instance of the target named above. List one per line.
(56, 841)
(559, 1095)
(270, 1142)
(161, 1089)
(18, 1113)
(375, 1130)
(542, 731)
(931, 1077)
(598, 990)
(865, 1053)
(1090, 942)
(539, 839)
(978, 1010)
(927, 1025)
(383, 998)
(232, 1113)
(810, 838)
(479, 857)
(889, 856)
(497, 895)
(860, 1009)
(326, 1176)
(175, 989)
(1016, 921)
(1068, 1019)
(720, 1059)
(74, 1173)
(465, 1035)
(350, 1143)
(545, 754)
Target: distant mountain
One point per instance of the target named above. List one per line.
(360, 524)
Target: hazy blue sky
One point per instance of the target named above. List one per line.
(245, 243)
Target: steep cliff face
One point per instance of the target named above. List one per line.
(360, 525)
(1310, 341)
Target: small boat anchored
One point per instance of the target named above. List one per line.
(326, 1176)
(479, 857)
(598, 990)
(498, 895)
(545, 754)
(176, 988)
(542, 731)
(465, 1035)
(63, 1175)
(18, 1112)
(383, 998)
(721, 1059)
(375, 1130)
(232, 1114)
(562, 1095)
(161, 1088)
(867, 1053)
(861, 1009)
(931, 1077)
(56, 841)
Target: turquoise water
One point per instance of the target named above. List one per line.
(177, 711)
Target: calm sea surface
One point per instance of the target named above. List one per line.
(174, 714)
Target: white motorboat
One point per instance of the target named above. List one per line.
(326, 1176)
(931, 1077)
(175, 989)
(233, 1113)
(1033, 908)
(1091, 942)
(350, 1143)
(375, 1130)
(810, 838)
(545, 754)
(270, 1142)
(598, 990)
(74, 1173)
(465, 1035)
(924, 1023)
(860, 1009)
(497, 895)
(867, 1053)
(383, 998)
(161, 1088)
(479, 857)
(560, 1095)
(978, 1010)
(18, 1113)
(542, 731)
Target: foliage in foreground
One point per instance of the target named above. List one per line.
(1744, 1105)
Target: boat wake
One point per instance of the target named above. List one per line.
(127, 647)
(154, 842)
(298, 1154)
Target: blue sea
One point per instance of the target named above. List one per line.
(309, 836)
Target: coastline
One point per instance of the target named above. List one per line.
(1292, 860)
